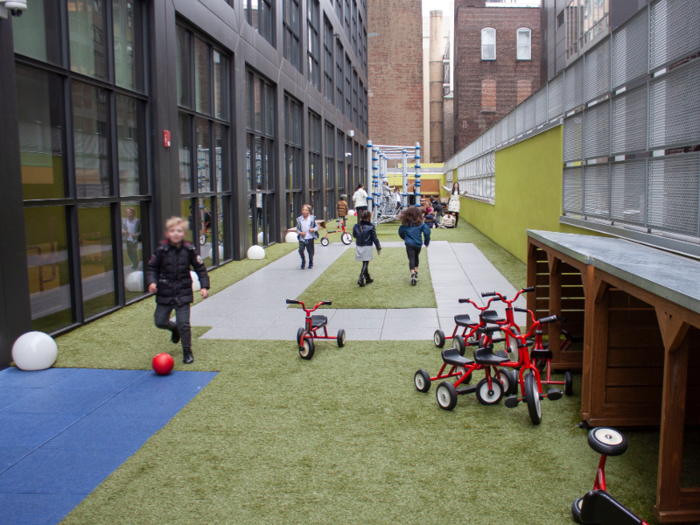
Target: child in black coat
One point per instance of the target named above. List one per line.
(365, 236)
(169, 278)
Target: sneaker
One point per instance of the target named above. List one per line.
(175, 337)
(414, 278)
(311, 266)
(303, 264)
(187, 356)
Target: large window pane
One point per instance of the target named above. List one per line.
(222, 211)
(132, 249)
(130, 140)
(220, 140)
(257, 104)
(88, 42)
(91, 137)
(40, 102)
(206, 232)
(187, 213)
(269, 110)
(203, 156)
(49, 272)
(37, 33)
(185, 155)
(128, 48)
(96, 258)
(220, 86)
(201, 72)
(183, 68)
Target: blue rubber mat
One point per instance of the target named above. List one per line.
(64, 430)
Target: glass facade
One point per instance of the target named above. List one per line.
(314, 49)
(260, 14)
(330, 171)
(315, 169)
(293, 158)
(292, 32)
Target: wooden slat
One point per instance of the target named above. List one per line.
(640, 357)
(621, 299)
(633, 395)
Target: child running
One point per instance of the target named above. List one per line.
(365, 235)
(169, 278)
(411, 229)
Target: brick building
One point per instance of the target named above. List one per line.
(395, 63)
(497, 64)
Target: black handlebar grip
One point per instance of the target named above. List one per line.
(488, 294)
(521, 310)
(328, 302)
(546, 320)
(464, 300)
(561, 319)
(529, 289)
(292, 301)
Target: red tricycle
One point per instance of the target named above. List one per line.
(598, 506)
(346, 238)
(312, 324)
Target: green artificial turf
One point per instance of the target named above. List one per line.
(391, 287)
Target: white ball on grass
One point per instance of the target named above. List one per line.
(351, 213)
(256, 252)
(34, 351)
(134, 282)
(291, 237)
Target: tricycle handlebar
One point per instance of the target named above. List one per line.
(293, 301)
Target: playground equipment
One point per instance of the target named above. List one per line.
(310, 331)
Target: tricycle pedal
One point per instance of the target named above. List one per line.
(466, 390)
(511, 401)
(554, 394)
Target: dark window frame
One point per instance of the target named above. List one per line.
(292, 33)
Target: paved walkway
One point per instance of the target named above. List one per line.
(255, 308)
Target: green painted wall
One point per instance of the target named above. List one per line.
(528, 194)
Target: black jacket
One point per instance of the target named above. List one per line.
(169, 269)
(366, 235)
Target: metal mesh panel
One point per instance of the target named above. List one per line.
(555, 97)
(504, 129)
(596, 191)
(628, 201)
(629, 54)
(597, 77)
(572, 200)
(573, 86)
(511, 125)
(541, 106)
(674, 30)
(596, 131)
(573, 147)
(673, 194)
(674, 111)
(530, 113)
(629, 122)
(519, 119)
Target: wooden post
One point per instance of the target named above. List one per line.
(554, 305)
(531, 279)
(595, 351)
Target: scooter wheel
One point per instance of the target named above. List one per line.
(346, 238)
(568, 383)
(576, 510)
(489, 396)
(439, 338)
(532, 397)
(341, 338)
(458, 343)
(446, 395)
(607, 441)
(509, 381)
(307, 348)
(300, 332)
(422, 381)
(324, 241)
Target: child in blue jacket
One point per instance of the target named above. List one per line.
(411, 229)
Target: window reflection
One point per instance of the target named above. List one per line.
(88, 51)
(201, 76)
(128, 65)
(96, 258)
(130, 125)
(132, 249)
(185, 153)
(91, 137)
(37, 34)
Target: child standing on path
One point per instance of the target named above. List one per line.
(169, 278)
(307, 233)
(342, 208)
(365, 235)
(411, 229)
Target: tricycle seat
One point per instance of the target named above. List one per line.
(600, 507)
(485, 356)
(451, 356)
(319, 321)
(491, 316)
(463, 320)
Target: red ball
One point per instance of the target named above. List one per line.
(163, 364)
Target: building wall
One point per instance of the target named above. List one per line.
(477, 109)
(520, 204)
(448, 123)
(395, 65)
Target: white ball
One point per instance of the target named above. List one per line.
(291, 237)
(261, 237)
(134, 282)
(351, 213)
(256, 252)
(221, 253)
(195, 282)
(34, 351)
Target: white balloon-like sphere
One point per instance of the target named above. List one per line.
(261, 237)
(221, 253)
(134, 282)
(34, 351)
(291, 237)
(256, 252)
(195, 282)
(351, 213)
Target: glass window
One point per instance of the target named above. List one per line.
(206, 231)
(203, 156)
(259, 14)
(96, 258)
(340, 157)
(131, 146)
(220, 169)
(523, 44)
(314, 44)
(328, 65)
(185, 153)
(132, 249)
(292, 32)
(186, 211)
(88, 42)
(183, 67)
(348, 88)
(220, 86)
(91, 141)
(202, 76)
(49, 271)
(128, 53)
(40, 103)
(488, 44)
(269, 110)
(339, 68)
(37, 33)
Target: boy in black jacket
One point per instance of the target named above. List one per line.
(169, 278)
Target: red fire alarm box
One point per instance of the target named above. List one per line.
(166, 138)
